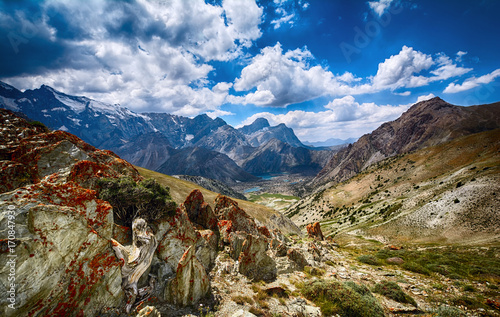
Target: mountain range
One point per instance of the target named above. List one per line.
(426, 123)
(199, 146)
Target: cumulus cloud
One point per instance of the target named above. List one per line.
(282, 78)
(146, 55)
(379, 6)
(472, 82)
(343, 118)
(403, 69)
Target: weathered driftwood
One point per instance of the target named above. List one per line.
(136, 259)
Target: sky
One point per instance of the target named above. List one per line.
(326, 68)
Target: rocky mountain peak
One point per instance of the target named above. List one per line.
(257, 125)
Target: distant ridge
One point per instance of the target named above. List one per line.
(426, 123)
(151, 140)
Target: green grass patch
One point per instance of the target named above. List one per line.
(369, 259)
(393, 291)
(345, 299)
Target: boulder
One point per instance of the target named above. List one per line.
(175, 235)
(236, 240)
(199, 212)
(254, 262)
(232, 218)
(207, 248)
(191, 282)
(314, 231)
(297, 257)
(64, 264)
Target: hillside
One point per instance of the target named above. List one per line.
(446, 193)
(426, 123)
(180, 189)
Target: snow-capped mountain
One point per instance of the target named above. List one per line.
(152, 140)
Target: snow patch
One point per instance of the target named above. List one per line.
(9, 103)
(63, 128)
(75, 105)
(189, 137)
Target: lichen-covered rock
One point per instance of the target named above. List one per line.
(314, 231)
(254, 262)
(199, 212)
(297, 257)
(64, 264)
(207, 248)
(191, 282)
(236, 240)
(232, 218)
(175, 235)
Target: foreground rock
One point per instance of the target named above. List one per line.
(254, 262)
(64, 263)
(191, 282)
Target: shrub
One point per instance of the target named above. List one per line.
(147, 199)
(447, 311)
(368, 259)
(393, 291)
(415, 267)
(343, 299)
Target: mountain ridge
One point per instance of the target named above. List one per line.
(426, 123)
(137, 136)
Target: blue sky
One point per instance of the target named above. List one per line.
(328, 69)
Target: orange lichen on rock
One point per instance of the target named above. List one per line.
(314, 231)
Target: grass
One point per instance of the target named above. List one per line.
(452, 262)
(393, 291)
(344, 299)
(180, 189)
(369, 259)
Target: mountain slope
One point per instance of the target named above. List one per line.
(149, 139)
(180, 189)
(426, 123)
(276, 156)
(202, 162)
(260, 132)
(443, 193)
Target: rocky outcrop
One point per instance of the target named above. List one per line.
(314, 231)
(199, 212)
(64, 264)
(232, 218)
(191, 282)
(254, 262)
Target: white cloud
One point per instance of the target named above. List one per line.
(425, 97)
(460, 54)
(287, 12)
(379, 6)
(404, 93)
(472, 82)
(282, 78)
(148, 55)
(402, 70)
(398, 70)
(344, 118)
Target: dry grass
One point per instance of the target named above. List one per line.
(180, 189)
